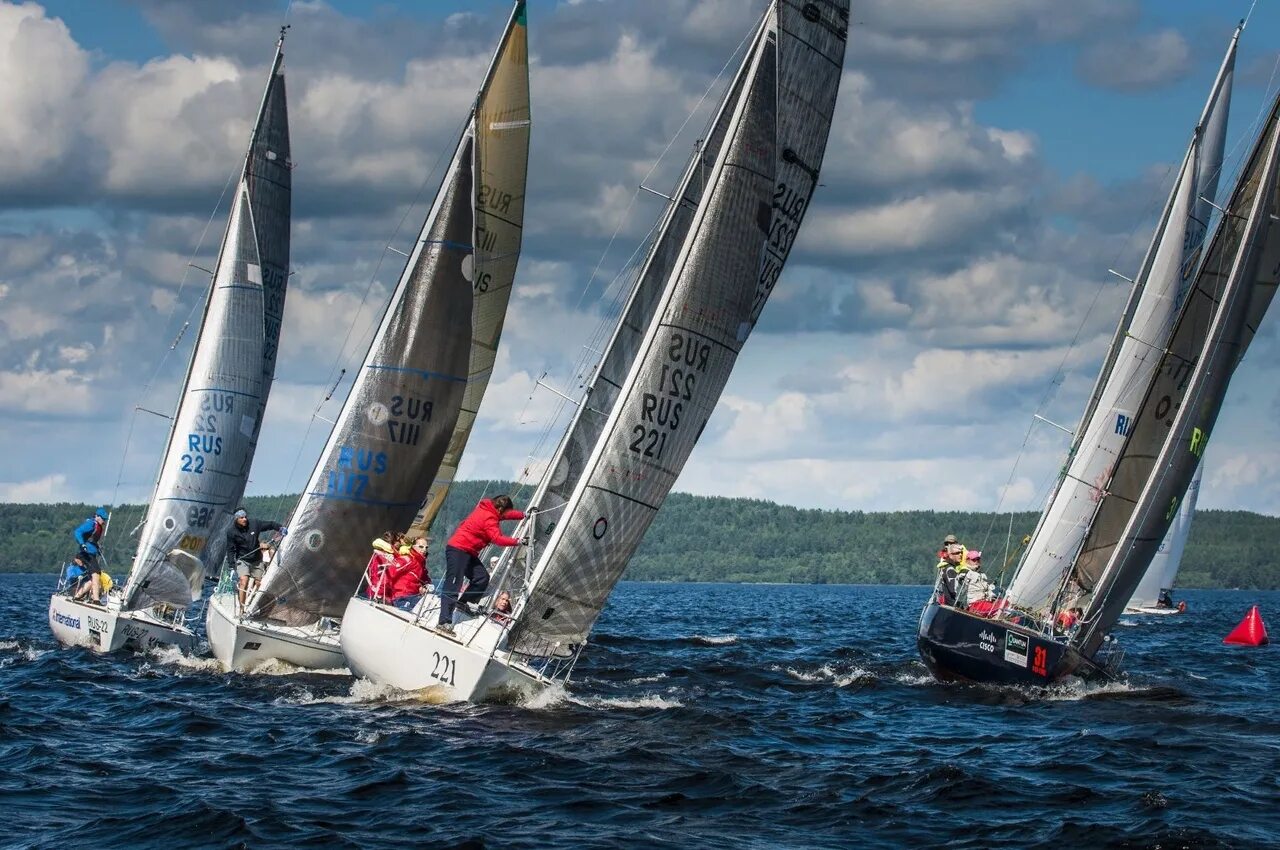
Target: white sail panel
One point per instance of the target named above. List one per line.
(1176, 418)
(395, 424)
(502, 126)
(1057, 541)
(1160, 576)
(569, 462)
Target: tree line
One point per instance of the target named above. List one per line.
(714, 538)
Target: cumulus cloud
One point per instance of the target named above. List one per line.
(1136, 63)
(944, 257)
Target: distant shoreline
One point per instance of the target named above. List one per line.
(730, 540)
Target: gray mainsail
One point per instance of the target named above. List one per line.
(668, 380)
(407, 418)
(219, 414)
(395, 424)
(502, 123)
(571, 456)
(1232, 292)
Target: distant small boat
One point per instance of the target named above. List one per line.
(1141, 439)
(219, 416)
(409, 414)
(1154, 595)
(720, 248)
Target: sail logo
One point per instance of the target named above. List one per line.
(1123, 421)
(63, 620)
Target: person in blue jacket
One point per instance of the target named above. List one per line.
(88, 535)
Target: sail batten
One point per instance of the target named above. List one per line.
(219, 413)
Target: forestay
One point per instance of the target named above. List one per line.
(1172, 426)
(759, 186)
(219, 415)
(1145, 325)
(502, 123)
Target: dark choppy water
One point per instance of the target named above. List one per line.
(704, 715)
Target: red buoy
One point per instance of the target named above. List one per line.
(1250, 632)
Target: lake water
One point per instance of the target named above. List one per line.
(701, 715)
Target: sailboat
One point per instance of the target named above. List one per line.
(715, 257)
(410, 410)
(1154, 595)
(1144, 430)
(215, 429)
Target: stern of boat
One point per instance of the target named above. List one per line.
(958, 646)
(402, 649)
(76, 623)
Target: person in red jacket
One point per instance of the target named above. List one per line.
(462, 554)
(407, 574)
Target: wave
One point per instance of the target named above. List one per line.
(646, 701)
(827, 673)
(276, 667)
(713, 640)
(174, 656)
(365, 692)
(26, 652)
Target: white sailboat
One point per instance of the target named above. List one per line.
(1154, 595)
(411, 408)
(715, 258)
(1136, 497)
(219, 413)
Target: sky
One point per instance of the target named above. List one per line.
(989, 162)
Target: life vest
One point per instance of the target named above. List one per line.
(106, 582)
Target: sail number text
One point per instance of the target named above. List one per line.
(205, 441)
(789, 207)
(660, 411)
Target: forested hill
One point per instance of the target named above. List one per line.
(701, 538)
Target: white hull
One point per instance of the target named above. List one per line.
(1152, 611)
(389, 647)
(105, 628)
(242, 645)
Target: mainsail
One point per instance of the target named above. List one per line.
(1155, 298)
(1172, 426)
(1164, 567)
(219, 414)
(711, 268)
(501, 130)
(401, 418)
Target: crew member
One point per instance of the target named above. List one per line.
(462, 554)
(244, 549)
(950, 565)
